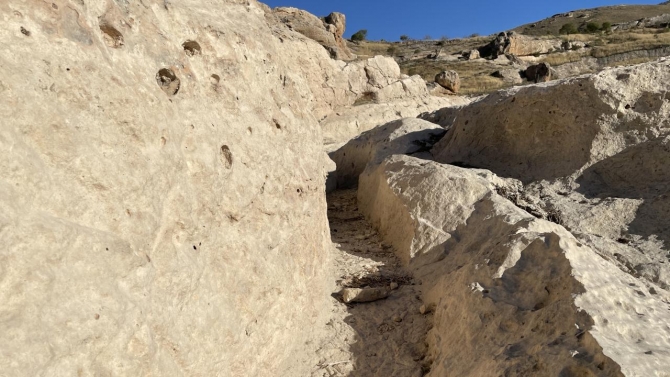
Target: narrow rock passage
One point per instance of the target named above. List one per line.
(382, 338)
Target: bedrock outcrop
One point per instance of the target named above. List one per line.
(162, 204)
(521, 293)
(327, 32)
(591, 152)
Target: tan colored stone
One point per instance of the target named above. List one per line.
(449, 80)
(362, 295)
(476, 252)
(160, 232)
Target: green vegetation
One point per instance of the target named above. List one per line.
(568, 28)
(592, 27)
(359, 36)
(404, 38)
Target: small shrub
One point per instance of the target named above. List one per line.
(592, 27)
(474, 35)
(392, 50)
(568, 28)
(427, 38)
(606, 26)
(359, 36)
(404, 38)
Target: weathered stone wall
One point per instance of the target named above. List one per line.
(162, 207)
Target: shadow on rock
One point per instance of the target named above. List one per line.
(390, 332)
(639, 172)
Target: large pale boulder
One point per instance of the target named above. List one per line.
(162, 208)
(449, 80)
(509, 283)
(581, 121)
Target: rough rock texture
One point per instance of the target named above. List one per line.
(593, 155)
(449, 80)
(405, 136)
(533, 132)
(662, 20)
(510, 75)
(348, 122)
(540, 73)
(520, 293)
(162, 207)
(337, 23)
(327, 32)
(473, 54)
(519, 45)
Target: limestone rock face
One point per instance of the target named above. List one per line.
(449, 80)
(519, 45)
(563, 135)
(327, 32)
(558, 306)
(405, 136)
(162, 208)
(338, 21)
(348, 122)
(592, 153)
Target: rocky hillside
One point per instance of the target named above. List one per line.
(624, 35)
(619, 16)
(221, 188)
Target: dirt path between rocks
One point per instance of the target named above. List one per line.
(383, 338)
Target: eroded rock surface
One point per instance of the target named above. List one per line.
(405, 136)
(527, 295)
(162, 193)
(592, 152)
(327, 32)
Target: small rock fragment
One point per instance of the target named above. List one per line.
(363, 294)
(393, 285)
(425, 309)
(397, 318)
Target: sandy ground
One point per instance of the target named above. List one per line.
(383, 338)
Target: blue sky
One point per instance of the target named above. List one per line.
(388, 19)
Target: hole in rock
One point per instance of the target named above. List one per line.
(226, 157)
(214, 79)
(168, 81)
(192, 48)
(113, 38)
(25, 31)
